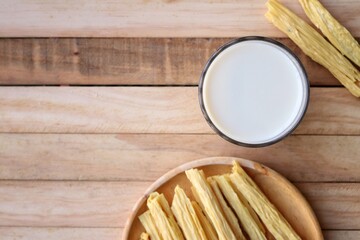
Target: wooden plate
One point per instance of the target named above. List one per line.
(280, 191)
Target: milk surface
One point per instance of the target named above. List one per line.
(254, 91)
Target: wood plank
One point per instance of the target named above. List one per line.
(136, 18)
(336, 205)
(120, 61)
(331, 111)
(107, 204)
(131, 157)
(147, 110)
(44, 233)
(67, 204)
(100, 110)
(341, 235)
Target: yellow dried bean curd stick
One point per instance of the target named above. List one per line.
(211, 206)
(197, 199)
(314, 45)
(247, 205)
(237, 168)
(148, 222)
(144, 236)
(199, 203)
(163, 217)
(337, 34)
(251, 211)
(247, 221)
(186, 216)
(208, 228)
(228, 213)
(270, 216)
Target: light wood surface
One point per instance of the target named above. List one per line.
(138, 18)
(341, 235)
(44, 233)
(140, 61)
(130, 157)
(326, 196)
(148, 110)
(68, 203)
(63, 233)
(74, 160)
(108, 204)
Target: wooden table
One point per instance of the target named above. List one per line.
(87, 124)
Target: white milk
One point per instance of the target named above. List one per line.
(254, 92)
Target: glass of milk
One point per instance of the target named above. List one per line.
(254, 91)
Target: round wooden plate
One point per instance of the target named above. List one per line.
(280, 192)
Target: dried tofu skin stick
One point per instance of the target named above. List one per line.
(144, 236)
(270, 216)
(148, 222)
(205, 222)
(228, 213)
(314, 45)
(251, 211)
(238, 169)
(247, 205)
(197, 199)
(248, 223)
(163, 217)
(211, 206)
(337, 34)
(186, 216)
(208, 228)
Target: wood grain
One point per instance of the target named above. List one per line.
(330, 200)
(107, 204)
(147, 110)
(120, 61)
(131, 157)
(341, 235)
(138, 18)
(67, 203)
(44, 233)
(74, 160)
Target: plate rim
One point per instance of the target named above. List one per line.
(216, 161)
